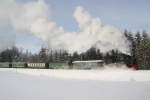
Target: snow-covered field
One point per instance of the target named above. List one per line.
(46, 84)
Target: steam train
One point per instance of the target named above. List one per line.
(90, 64)
(71, 64)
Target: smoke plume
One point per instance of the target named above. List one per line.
(34, 18)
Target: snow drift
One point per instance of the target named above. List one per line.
(106, 74)
(39, 84)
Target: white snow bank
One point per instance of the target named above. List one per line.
(107, 74)
(43, 84)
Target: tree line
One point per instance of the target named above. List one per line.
(139, 46)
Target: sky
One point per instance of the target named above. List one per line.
(124, 14)
(132, 15)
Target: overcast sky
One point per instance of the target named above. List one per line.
(133, 15)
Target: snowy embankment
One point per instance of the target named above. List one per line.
(107, 74)
(46, 84)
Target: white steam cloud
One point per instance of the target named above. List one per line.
(33, 17)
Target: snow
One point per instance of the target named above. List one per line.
(47, 84)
